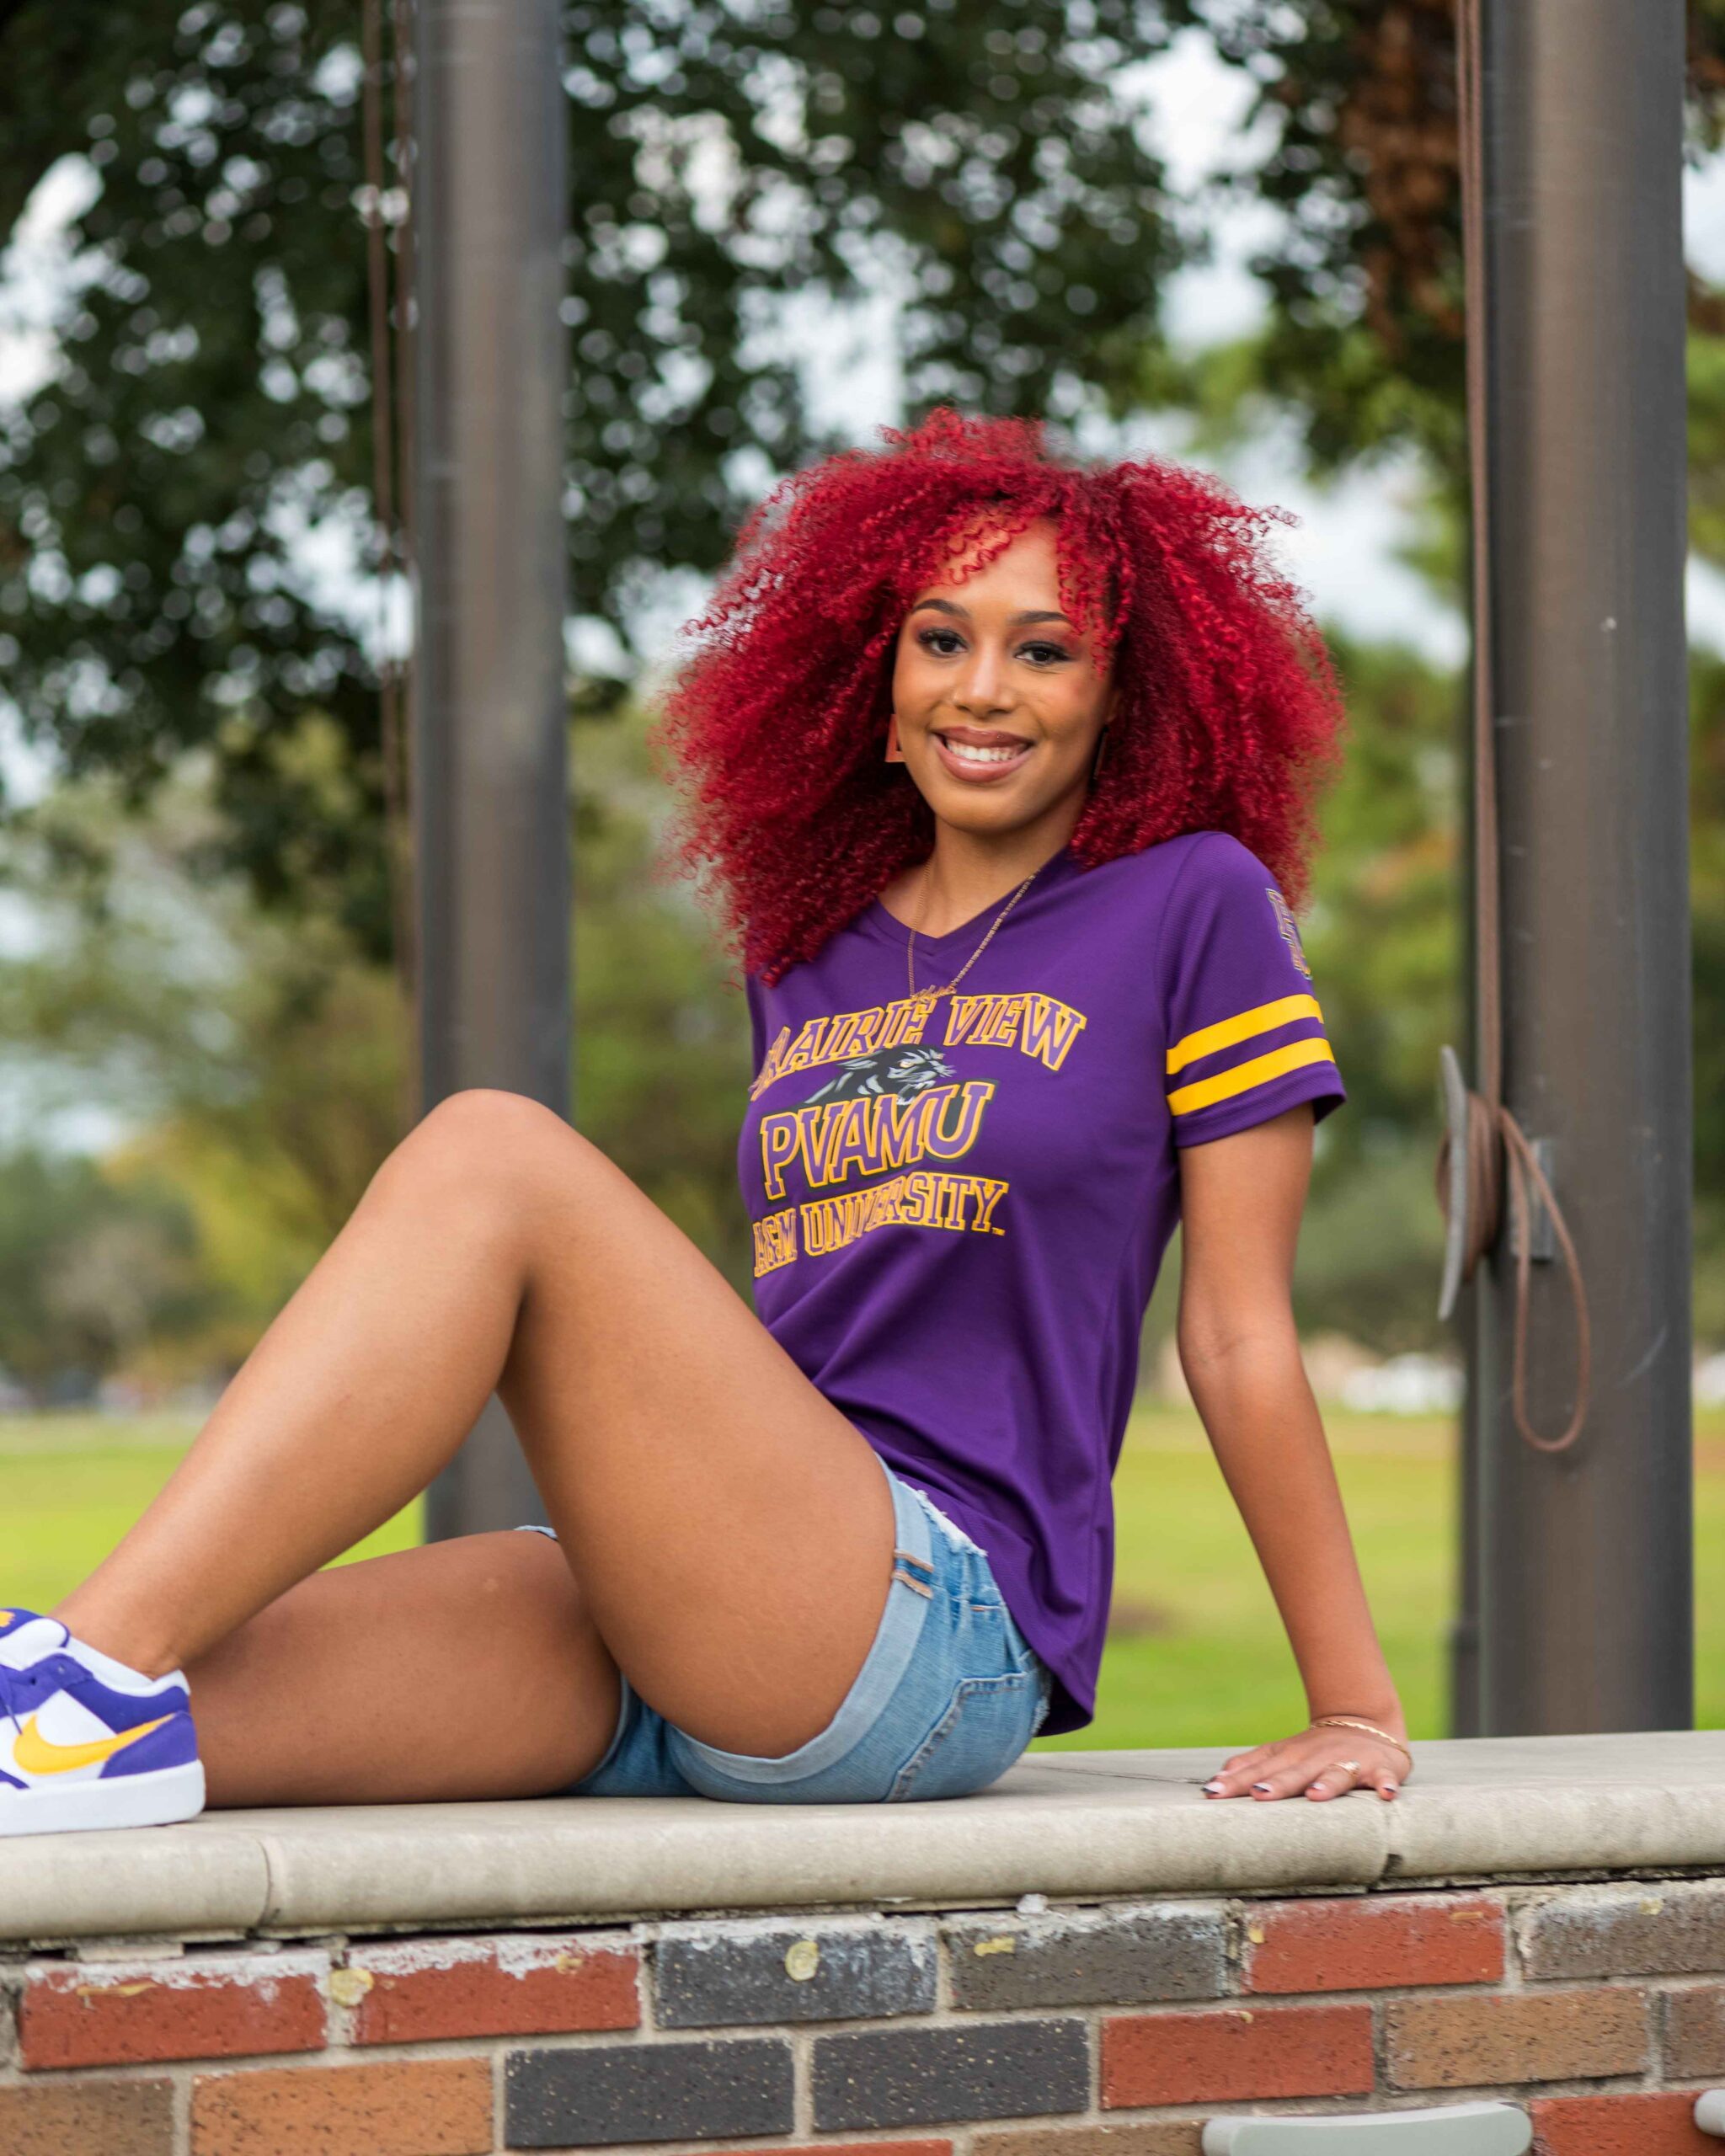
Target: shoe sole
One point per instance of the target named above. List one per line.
(152, 1800)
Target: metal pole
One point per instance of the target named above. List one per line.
(1585, 1559)
(491, 821)
(1464, 1639)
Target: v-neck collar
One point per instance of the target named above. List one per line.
(878, 921)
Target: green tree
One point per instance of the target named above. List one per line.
(89, 1271)
(1383, 938)
(1707, 884)
(208, 402)
(1363, 345)
(254, 1065)
(258, 1064)
(1364, 334)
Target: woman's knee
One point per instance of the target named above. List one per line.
(488, 1122)
(484, 1142)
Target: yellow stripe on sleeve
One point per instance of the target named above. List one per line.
(1242, 1078)
(1224, 1034)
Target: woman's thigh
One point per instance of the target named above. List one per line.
(465, 1669)
(731, 1531)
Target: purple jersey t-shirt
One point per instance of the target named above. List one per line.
(959, 1212)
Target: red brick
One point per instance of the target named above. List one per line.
(856, 2148)
(1375, 1945)
(1234, 2055)
(1619, 2126)
(203, 2006)
(433, 2107)
(533, 1986)
(1136, 2137)
(88, 2118)
(1694, 2032)
(1495, 2043)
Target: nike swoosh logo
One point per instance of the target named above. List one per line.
(37, 1755)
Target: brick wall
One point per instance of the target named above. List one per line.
(1109, 2029)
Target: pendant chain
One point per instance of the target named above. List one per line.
(928, 995)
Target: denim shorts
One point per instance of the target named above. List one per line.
(950, 1694)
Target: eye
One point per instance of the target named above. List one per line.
(1045, 655)
(942, 642)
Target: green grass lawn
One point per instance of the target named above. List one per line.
(1196, 1656)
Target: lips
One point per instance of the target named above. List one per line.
(978, 754)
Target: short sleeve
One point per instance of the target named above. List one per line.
(1246, 1038)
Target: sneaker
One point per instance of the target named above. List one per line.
(85, 1741)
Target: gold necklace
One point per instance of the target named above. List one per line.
(926, 998)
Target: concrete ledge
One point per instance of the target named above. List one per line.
(1066, 1825)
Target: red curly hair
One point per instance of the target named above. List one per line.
(1228, 711)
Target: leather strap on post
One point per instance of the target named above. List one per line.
(1497, 1151)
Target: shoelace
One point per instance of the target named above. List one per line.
(23, 1688)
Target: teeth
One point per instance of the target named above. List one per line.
(975, 756)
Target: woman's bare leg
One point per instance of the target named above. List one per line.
(324, 1696)
(731, 1531)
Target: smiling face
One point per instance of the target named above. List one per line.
(999, 698)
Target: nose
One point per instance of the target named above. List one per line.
(981, 689)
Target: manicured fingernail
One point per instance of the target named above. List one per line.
(1262, 1787)
(1214, 1788)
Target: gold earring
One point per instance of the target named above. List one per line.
(1102, 750)
(894, 754)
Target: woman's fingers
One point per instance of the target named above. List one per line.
(1237, 1776)
(1334, 1781)
(1301, 1764)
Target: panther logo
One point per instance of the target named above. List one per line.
(1289, 929)
(905, 1070)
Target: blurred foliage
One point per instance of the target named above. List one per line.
(1365, 335)
(1363, 348)
(1383, 937)
(1365, 328)
(92, 1276)
(262, 1065)
(208, 404)
(258, 1064)
(1705, 370)
(1707, 887)
(1382, 934)
(662, 1051)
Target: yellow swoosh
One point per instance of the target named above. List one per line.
(36, 1755)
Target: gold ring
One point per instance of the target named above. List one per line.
(1348, 1766)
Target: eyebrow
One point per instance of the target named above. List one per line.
(947, 607)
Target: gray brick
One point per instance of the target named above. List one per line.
(1694, 2032)
(1084, 1957)
(709, 1976)
(1653, 1931)
(922, 2077)
(611, 2093)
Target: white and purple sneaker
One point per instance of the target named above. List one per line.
(85, 1741)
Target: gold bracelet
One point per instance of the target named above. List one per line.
(1372, 1729)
